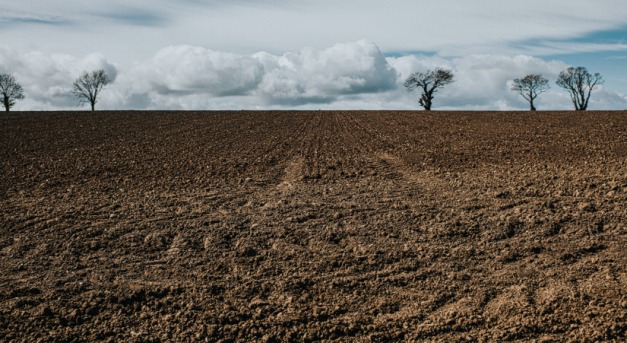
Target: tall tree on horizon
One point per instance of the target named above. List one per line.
(89, 85)
(429, 82)
(530, 87)
(580, 84)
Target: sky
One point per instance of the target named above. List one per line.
(306, 54)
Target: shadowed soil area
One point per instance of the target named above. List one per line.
(303, 226)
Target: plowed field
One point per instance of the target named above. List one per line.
(305, 226)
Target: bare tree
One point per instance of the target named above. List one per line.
(89, 85)
(10, 91)
(579, 83)
(429, 82)
(530, 87)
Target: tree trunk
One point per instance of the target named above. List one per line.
(425, 102)
(427, 99)
(582, 107)
(581, 99)
(5, 102)
(93, 106)
(531, 107)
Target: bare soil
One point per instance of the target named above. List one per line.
(306, 226)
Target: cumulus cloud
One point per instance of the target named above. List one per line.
(187, 69)
(185, 77)
(321, 76)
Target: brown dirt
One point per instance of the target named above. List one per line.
(303, 226)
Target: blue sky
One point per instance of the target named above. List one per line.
(217, 54)
(612, 64)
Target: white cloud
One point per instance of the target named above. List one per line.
(187, 69)
(185, 77)
(321, 76)
(564, 48)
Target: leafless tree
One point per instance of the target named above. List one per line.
(429, 82)
(530, 87)
(89, 85)
(579, 83)
(10, 91)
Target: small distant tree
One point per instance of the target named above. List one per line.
(429, 82)
(89, 85)
(580, 84)
(530, 87)
(10, 91)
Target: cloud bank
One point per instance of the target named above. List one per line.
(353, 75)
